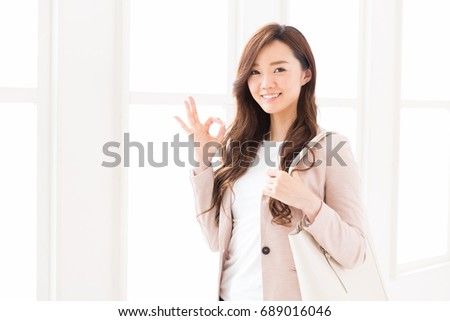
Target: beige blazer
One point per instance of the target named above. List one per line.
(339, 226)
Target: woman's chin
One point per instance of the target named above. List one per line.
(269, 108)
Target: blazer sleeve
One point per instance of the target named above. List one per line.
(202, 185)
(339, 225)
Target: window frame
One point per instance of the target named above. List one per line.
(40, 96)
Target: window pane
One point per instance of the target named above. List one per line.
(341, 120)
(331, 28)
(168, 257)
(18, 39)
(18, 202)
(179, 46)
(423, 184)
(425, 52)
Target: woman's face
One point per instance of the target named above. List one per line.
(276, 79)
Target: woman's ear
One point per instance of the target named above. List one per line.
(306, 76)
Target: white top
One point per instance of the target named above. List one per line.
(242, 275)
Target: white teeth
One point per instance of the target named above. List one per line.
(270, 96)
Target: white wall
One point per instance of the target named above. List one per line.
(88, 250)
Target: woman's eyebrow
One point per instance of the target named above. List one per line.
(278, 62)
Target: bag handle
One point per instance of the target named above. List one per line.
(305, 149)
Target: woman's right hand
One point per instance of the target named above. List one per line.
(201, 133)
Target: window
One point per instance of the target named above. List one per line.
(18, 34)
(178, 50)
(424, 159)
(173, 54)
(18, 129)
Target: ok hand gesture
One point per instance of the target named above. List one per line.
(201, 133)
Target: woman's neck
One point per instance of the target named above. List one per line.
(279, 126)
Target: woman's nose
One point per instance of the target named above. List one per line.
(267, 82)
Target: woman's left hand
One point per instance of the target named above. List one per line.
(293, 192)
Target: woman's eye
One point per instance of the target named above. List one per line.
(279, 70)
(254, 72)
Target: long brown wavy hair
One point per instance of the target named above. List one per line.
(252, 124)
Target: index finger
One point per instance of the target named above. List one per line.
(193, 108)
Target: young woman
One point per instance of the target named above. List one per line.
(249, 205)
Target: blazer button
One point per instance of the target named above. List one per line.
(265, 250)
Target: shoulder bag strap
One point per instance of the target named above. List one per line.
(305, 149)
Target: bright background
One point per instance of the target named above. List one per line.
(77, 74)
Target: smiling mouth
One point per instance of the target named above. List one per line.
(272, 96)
